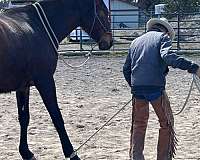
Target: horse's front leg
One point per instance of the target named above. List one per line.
(23, 116)
(47, 90)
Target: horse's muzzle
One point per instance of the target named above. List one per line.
(106, 42)
(104, 45)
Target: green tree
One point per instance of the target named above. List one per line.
(183, 6)
(172, 5)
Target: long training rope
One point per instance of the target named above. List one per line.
(196, 81)
(187, 98)
(36, 5)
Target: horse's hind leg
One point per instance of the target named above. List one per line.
(23, 115)
(47, 90)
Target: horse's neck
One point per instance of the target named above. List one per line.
(62, 24)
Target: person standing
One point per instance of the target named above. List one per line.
(145, 70)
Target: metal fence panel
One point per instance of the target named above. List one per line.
(186, 26)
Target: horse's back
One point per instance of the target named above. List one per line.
(14, 55)
(24, 50)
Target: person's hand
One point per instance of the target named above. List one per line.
(198, 72)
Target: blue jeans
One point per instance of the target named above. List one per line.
(148, 96)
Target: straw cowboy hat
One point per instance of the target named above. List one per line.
(164, 22)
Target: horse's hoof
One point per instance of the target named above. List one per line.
(33, 158)
(75, 158)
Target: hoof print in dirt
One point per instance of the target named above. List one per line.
(80, 126)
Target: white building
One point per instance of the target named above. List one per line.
(123, 15)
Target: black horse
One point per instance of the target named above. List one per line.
(28, 56)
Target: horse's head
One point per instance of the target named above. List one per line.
(96, 22)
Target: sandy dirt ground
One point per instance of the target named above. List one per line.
(88, 97)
